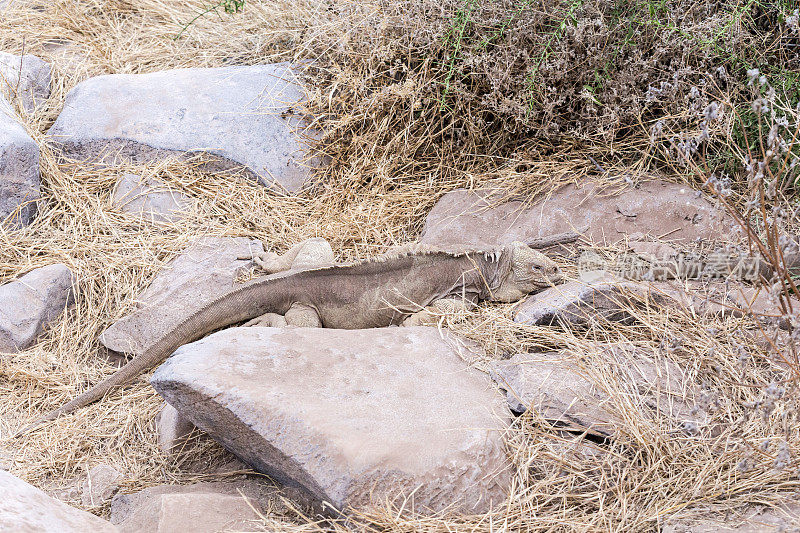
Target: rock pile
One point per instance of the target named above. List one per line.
(342, 418)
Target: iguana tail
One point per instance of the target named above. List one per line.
(246, 301)
(124, 375)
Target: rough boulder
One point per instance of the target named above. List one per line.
(657, 208)
(348, 416)
(243, 116)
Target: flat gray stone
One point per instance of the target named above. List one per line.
(100, 485)
(198, 508)
(657, 208)
(349, 417)
(555, 386)
(172, 428)
(19, 170)
(26, 78)
(205, 271)
(750, 519)
(28, 304)
(150, 199)
(576, 303)
(243, 115)
(25, 508)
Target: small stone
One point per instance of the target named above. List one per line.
(555, 386)
(198, 508)
(656, 208)
(653, 250)
(65, 53)
(26, 508)
(206, 270)
(26, 78)
(578, 302)
(150, 199)
(245, 116)
(19, 170)
(28, 304)
(749, 519)
(100, 485)
(349, 417)
(172, 428)
(550, 386)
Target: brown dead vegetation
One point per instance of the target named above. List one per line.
(399, 137)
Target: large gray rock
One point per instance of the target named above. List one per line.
(476, 218)
(26, 78)
(242, 114)
(25, 508)
(348, 416)
(28, 304)
(190, 281)
(554, 385)
(198, 508)
(19, 170)
(149, 199)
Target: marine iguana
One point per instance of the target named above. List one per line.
(402, 287)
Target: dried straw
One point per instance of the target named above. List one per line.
(369, 199)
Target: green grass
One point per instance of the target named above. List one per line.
(228, 6)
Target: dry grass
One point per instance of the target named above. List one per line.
(375, 195)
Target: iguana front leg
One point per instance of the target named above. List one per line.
(430, 315)
(299, 315)
(303, 316)
(269, 320)
(310, 253)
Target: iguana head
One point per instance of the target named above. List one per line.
(530, 271)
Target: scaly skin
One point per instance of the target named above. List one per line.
(380, 292)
